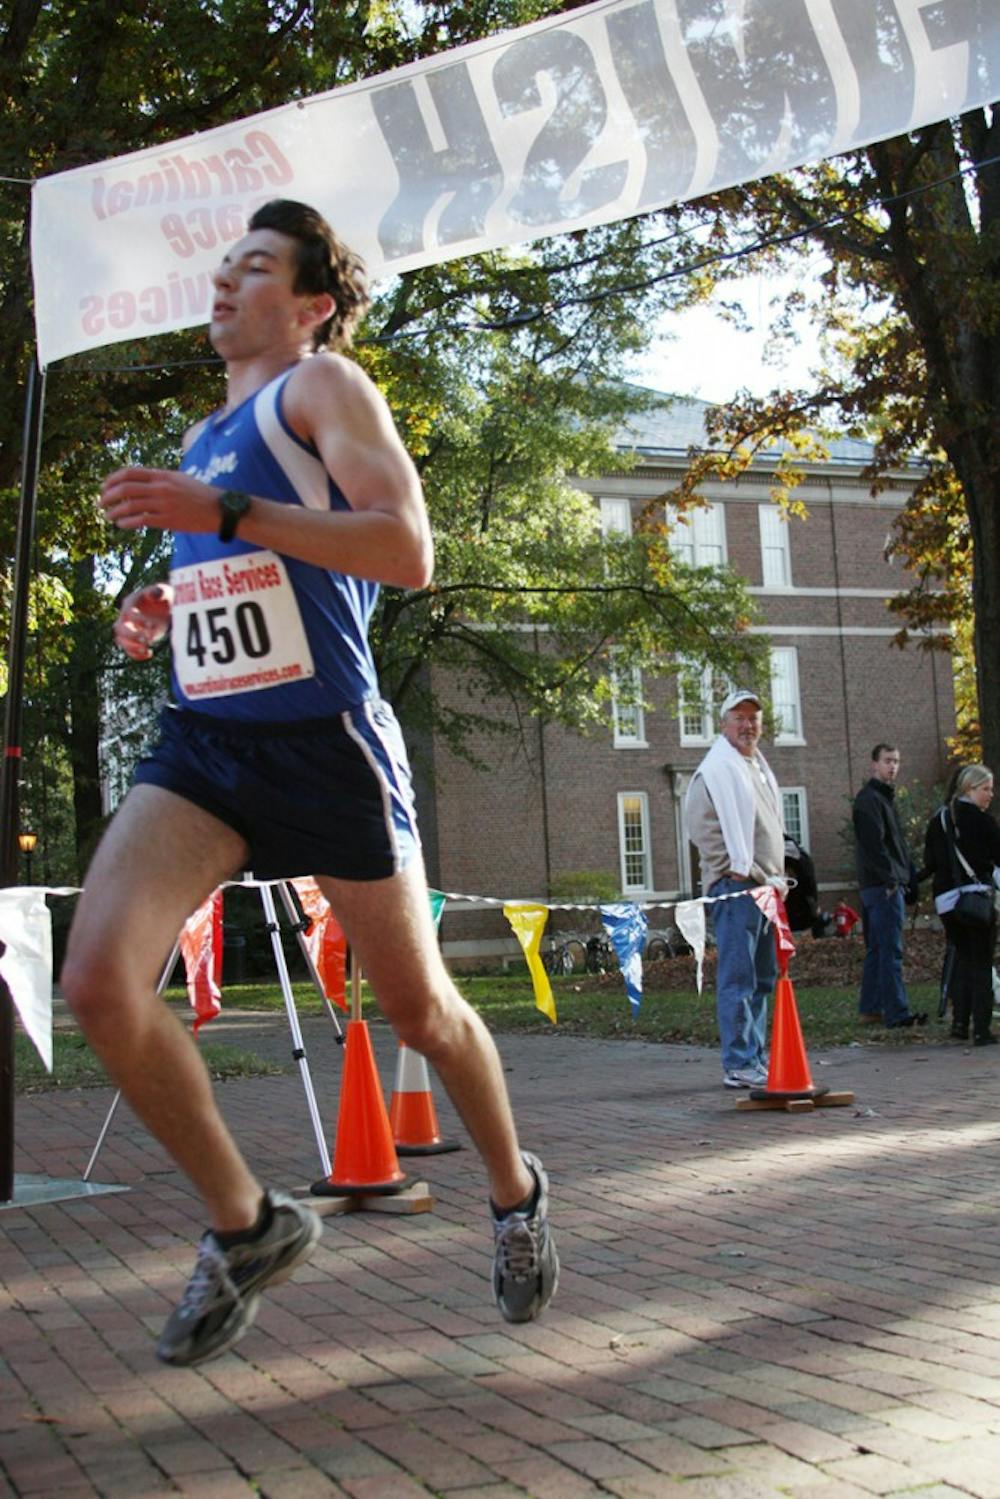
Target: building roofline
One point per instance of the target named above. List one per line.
(679, 422)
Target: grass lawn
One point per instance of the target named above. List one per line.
(75, 1066)
(585, 1007)
(598, 1007)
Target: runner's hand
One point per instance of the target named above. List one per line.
(133, 498)
(143, 619)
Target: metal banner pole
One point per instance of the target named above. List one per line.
(11, 772)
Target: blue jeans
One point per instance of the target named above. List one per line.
(882, 989)
(747, 968)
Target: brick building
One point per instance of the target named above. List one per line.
(613, 801)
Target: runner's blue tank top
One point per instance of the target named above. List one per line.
(257, 636)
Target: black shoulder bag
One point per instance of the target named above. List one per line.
(973, 907)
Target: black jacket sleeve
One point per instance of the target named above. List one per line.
(874, 865)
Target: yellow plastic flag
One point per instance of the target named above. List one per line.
(528, 924)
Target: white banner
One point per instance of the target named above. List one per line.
(617, 108)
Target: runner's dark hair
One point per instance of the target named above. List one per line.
(325, 264)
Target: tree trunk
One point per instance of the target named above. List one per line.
(946, 268)
(981, 487)
(986, 604)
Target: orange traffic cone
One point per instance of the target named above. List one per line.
(412, 1116)
(788, 1075)
(365, 1161)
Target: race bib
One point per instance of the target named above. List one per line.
(236, 627)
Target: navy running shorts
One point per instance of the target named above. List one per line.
(327, 796)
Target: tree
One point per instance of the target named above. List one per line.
(910, 314)
(502, 371)
(506, 421)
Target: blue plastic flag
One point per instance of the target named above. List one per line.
(626, 926)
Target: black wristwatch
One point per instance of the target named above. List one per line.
(234, 507)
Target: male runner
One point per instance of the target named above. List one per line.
(277, 755)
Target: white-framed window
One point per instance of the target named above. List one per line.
(795, 814)
(695, 706)
(616, 516)
(785, 695)
(698, 536)
(775, 547)
(628, 718)
(634, 842)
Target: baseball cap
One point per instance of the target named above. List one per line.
(739, 695)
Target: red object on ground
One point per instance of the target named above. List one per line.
(845, 919)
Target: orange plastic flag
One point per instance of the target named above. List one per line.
(528, 923)
(201, 949)
(325, 941)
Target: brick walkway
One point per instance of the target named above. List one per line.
(751, 1304)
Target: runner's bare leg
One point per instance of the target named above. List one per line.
(388, 925)
(161, 857)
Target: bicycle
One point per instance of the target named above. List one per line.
(568, 955)
(667, 943)
(600, 955)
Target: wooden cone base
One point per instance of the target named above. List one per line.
(414, 1198)
(800, 1103)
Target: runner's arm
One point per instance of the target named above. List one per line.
(384, 537)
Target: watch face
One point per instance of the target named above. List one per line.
(235, 504)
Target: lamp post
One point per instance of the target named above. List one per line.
(26, 842)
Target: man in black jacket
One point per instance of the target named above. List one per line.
(886, 878)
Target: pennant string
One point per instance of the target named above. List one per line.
(26, 935)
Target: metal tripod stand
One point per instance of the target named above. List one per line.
(299, 925)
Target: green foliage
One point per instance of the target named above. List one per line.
(585, 886)
(502, 424)
(502, 370)
(916, 805)
(907, 329)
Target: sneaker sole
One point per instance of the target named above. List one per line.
(536, 1310)
(245, 1311)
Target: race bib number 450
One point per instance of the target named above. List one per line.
(236, 627)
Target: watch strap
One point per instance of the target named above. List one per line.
(233, 506)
